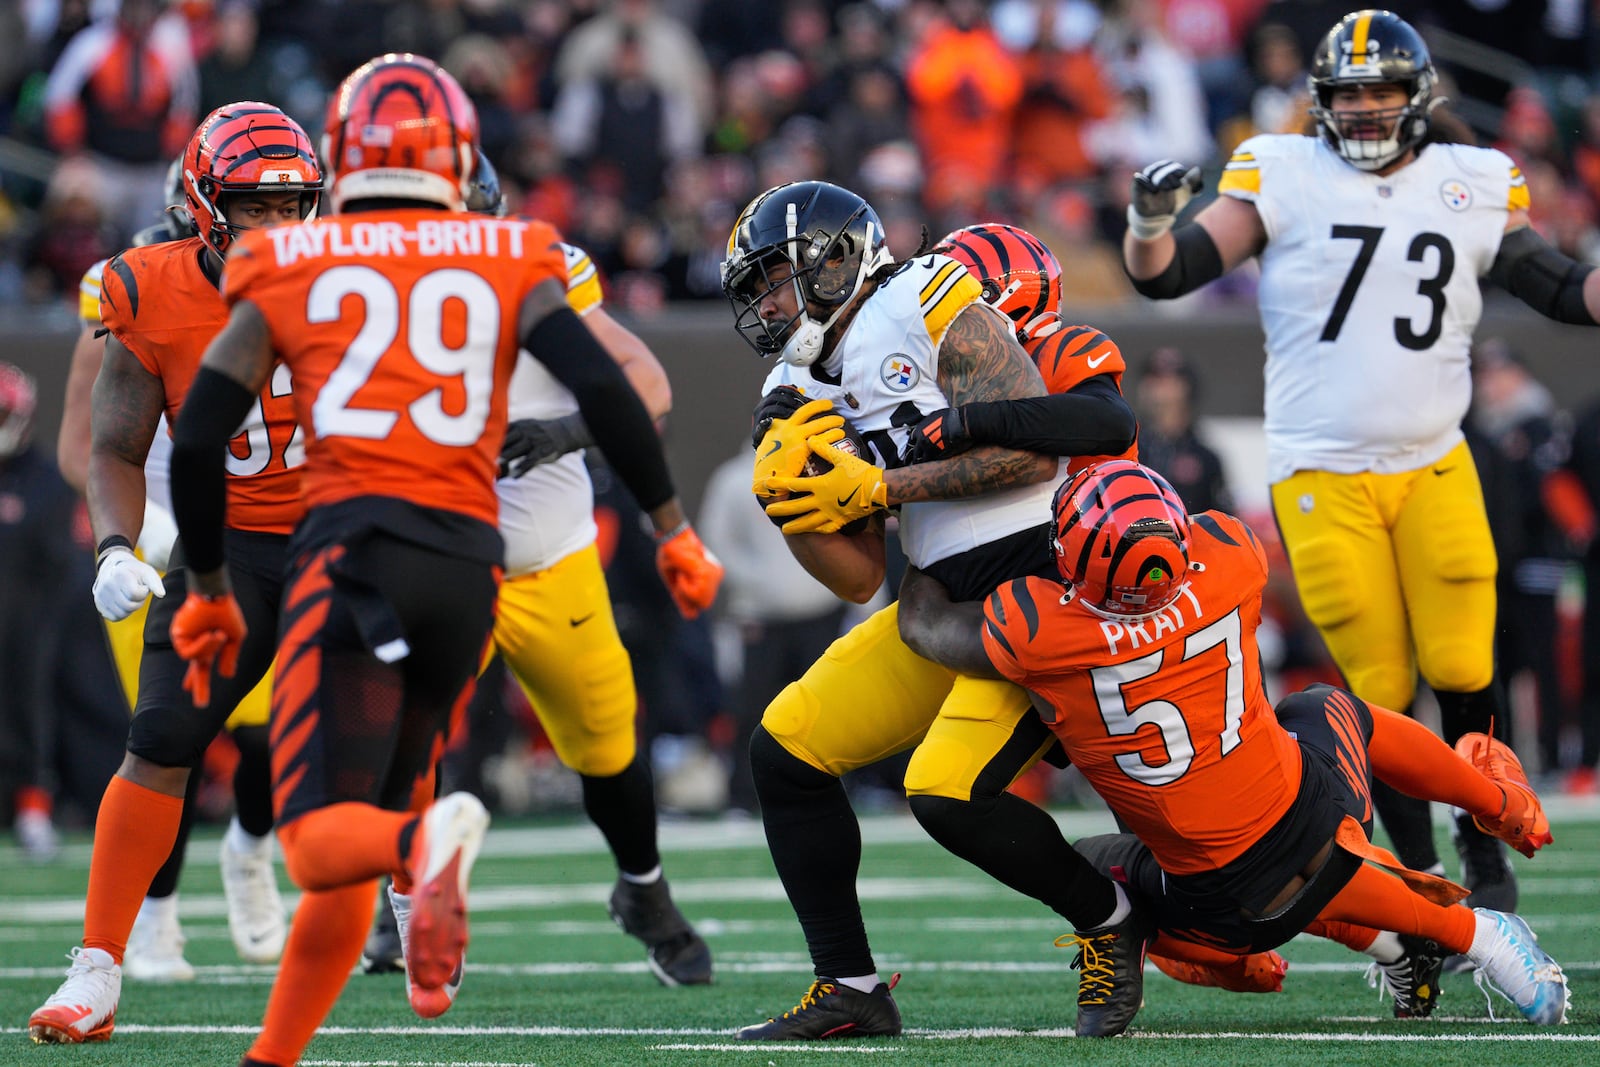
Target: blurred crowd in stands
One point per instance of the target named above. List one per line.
(639, 128)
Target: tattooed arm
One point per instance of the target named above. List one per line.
(979, 359)
(125, 407)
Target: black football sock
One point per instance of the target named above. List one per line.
(1019, 844)
(815, 843)
(623, 808)
(1409, 823)
(252, 781)
(1463, 713)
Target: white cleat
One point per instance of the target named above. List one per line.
(435, 937)
(1514, 966)
(255, 909)
(85, 1007)
(155, 947)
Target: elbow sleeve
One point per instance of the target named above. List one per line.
(1195, 263)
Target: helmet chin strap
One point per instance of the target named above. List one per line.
(805, 344)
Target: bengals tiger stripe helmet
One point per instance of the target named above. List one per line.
(247, 147)
(401, 128)
(1121, 538)
(1021, 277)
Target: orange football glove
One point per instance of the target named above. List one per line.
(783, 452)
(828, 502)
(691, 572)
(207, 630)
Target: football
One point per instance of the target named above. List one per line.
(852, 443)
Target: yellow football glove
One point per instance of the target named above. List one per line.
(782, 452)
(851, 490)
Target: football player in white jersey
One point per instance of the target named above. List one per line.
(1372, 237)
(555, 628)
(812, 281)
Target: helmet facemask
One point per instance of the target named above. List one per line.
(821, 268)
(1403, 126)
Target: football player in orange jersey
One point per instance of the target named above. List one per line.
(248, 166)
(1021, 279)
(401, 320)
(1249, 824)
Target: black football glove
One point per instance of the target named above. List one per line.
(939, 436)
(532, 442)
(1160, 191)
(781, 403)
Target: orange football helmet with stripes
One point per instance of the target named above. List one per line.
(401, 128)
(1121, 538)
(246, 147)
(1021, 277)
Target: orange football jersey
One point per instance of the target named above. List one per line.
(1165, 715)
(159, 303)
(1072, 355)
(401, 330)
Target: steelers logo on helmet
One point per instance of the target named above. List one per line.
(399, 127)
(1121, 538)
(1372, 47)
(796, 260)
(1021, 277)
(247, 147)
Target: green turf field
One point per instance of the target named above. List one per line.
(551, 981)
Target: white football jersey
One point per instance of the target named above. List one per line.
(1369, 296)
(883, 377)
(548, 513)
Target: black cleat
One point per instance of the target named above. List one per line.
(676, 954)
(1413, 979)
(829, 1009)
(1487, 874)
(1111, 982)
(383, 953)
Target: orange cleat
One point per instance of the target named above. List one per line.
(1520, 822)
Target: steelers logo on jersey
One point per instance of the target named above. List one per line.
(899, 373)
(1456, 195)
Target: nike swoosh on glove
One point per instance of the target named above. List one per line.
(691, 572)
(207, 631)
(826, 503)
(122, 583)
(782, 451)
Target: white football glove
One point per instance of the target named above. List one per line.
(1160, 191)
(157, 535)
(122, 583)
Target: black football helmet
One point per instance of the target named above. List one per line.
(1372, 47)
(818, 238)
(484, 195)
(175, 224)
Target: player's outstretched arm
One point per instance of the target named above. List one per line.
(1092, 418)
(979, 360)
(1165, 262)
(1547, 280)
(940, 630)
(553, 334)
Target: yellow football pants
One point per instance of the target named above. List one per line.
(1397, 572)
